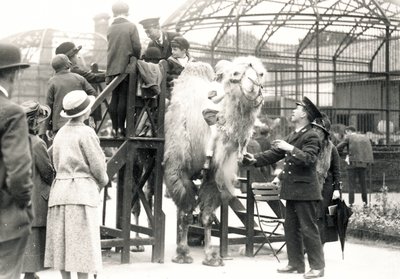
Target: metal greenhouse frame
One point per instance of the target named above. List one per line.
(327, 50)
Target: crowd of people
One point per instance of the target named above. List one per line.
(49, 199)
(48, 202)
(39, 223)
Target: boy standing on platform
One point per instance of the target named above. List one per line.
(123, 43)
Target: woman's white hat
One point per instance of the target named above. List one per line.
(76, 103)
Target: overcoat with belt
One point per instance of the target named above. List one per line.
(299, 175)
(15, 172)
(42, 175)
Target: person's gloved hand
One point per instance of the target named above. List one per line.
(248, 159)
(336, 195)
(347, 160)
(276, 180)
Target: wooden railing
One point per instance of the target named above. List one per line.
(122, 163)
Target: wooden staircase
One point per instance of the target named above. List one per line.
(122, 165)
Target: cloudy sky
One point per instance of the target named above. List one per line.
(76, 15)
(73, 15)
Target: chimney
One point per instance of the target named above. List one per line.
(101, 23)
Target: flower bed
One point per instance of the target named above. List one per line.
(380, 221)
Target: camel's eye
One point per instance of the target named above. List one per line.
(261, 74)
(236, 74)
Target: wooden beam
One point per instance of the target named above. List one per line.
(106, 231)
(107, 91)
(120, 242)
(143, 230)
(117, 160)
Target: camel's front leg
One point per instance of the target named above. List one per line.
(182, 251)
(212, 257)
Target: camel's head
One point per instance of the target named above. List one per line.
(247, 75)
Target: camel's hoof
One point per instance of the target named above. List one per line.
(214, 262)
(139, 248)
(180, 259)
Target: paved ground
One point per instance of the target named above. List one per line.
(362, 260)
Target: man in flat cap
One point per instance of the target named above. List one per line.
(159, 39)
(299, 187)
(360, 156)
(94, 78)
(15, 169)
(70, 50)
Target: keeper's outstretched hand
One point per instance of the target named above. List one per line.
(248, 159)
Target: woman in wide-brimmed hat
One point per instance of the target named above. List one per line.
(42, 176)
(74, 196)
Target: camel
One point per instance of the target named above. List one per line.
(185, 140)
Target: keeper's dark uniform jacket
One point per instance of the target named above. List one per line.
(299, 175)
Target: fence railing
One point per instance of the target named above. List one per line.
(371, 122)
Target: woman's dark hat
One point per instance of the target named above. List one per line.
(153, 22)
(34, 109)
(180, 42)
(152, 54)
(310, 108)
(323, 123)
(68, 48)
(10, 57)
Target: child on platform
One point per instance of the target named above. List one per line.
(178, 60)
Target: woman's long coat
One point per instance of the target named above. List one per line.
(42, 175)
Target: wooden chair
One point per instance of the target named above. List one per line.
(269, 193)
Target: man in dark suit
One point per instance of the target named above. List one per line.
(15, 169)
(360, 156)
(299, 187)
(123, 43)
(159, 39)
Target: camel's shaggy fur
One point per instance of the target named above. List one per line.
(187, 134)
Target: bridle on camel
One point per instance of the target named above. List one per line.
(255, 82)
